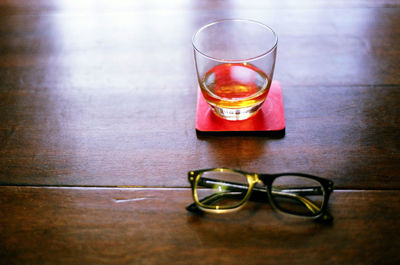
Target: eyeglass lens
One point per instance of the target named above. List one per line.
(225, 189)
(297, 195)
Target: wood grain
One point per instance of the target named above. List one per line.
(148, 226)
(91, 98)
(348, 134)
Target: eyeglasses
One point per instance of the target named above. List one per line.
(222, 190)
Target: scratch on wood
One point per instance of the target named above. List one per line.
(117, 200)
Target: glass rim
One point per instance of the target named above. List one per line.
(235, 60)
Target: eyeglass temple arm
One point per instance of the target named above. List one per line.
(234, 186)
(309, 204)
(209, 199)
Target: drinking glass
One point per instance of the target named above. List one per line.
(235, 62)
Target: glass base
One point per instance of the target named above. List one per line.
(236, 114)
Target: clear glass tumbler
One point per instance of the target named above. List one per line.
(235, 60)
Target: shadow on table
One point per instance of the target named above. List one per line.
(257, 225)
(267, 134)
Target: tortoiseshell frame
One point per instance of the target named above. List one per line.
(253, 178)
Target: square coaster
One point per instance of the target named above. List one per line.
(270, 118)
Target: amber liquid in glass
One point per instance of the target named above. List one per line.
(235, 86)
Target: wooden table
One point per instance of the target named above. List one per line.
(97, 115)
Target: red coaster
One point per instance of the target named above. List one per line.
(270, 117)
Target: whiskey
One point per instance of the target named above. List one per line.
(235, 86)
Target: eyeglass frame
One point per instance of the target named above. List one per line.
(253, 179)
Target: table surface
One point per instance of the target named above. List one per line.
(97, 117)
